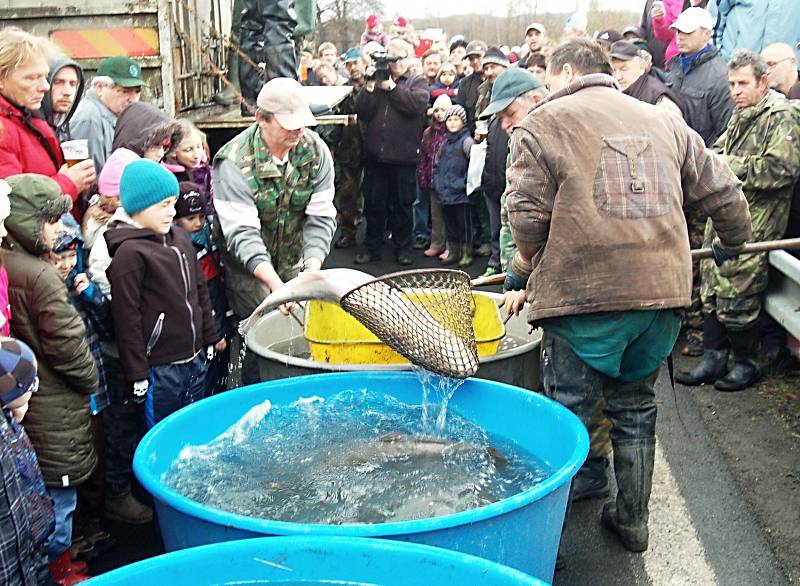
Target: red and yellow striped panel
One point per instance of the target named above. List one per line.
(108, 42)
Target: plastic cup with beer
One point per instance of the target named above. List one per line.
(75, 151)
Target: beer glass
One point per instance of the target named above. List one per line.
(75, 151)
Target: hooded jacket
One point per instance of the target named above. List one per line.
(135, 125)
(160, 303)
(29, 145)
(61, 127)
(43, 317)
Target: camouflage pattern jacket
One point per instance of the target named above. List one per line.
(762, 147)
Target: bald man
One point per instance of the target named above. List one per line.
(782, 69)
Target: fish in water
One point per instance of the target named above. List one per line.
(398, 447)
(427, 343)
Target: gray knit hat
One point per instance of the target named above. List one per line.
(456, 110)
(495, 55)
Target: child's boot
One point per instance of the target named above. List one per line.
(453, 258)
(466, 256)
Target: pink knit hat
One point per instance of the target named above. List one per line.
(373, 20)
(108, 182)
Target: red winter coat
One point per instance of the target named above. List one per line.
(29, 145)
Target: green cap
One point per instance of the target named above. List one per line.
(123, 70)
(353, 54)
(510, 84)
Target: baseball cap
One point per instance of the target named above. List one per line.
(352, 54)
(692, 19)
(123, 70)
(609, 36)
(476, 48)
(632, 29)
(624, 51)
(536, 26)
(283, 97)
(191, 200)
(509, 85)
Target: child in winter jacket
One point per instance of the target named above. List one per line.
(427, 205)
(191, 216)
(373, 32)
(23, 495)
(187, 158)
(162, 313)
(450, 184)
(104, 203)
(58, 420)
(446, 83)
(67, 257)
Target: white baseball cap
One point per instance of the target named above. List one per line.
(283, 97)
(692, 19)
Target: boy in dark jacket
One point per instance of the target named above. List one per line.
(162, 312)
(190, 214)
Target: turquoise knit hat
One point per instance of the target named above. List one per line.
(145, 183)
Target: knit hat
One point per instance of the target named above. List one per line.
(17, 370)
(495, 55)
(443, 102)
(373, 20)
(192, 200)
(400, 22)
(145, 183)
(71, 237)
(457, 110)
(108, 181)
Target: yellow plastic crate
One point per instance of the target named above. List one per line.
(336, 337)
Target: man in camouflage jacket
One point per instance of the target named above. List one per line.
(273, 197)
(761, 147)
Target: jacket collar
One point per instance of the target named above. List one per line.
(583, 82)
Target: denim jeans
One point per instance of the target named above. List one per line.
(64, 502)
(422, 214)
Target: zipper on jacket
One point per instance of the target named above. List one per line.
(155, 334)
(186, 280)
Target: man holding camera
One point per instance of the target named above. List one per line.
(392, 110)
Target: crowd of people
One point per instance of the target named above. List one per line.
(125, 270)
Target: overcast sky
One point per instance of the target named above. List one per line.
(420, 8)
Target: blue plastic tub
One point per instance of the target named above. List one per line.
(522, 531)
(309, 561)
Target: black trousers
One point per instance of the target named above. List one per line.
(389, 194)
(455, 224)
(265, 36)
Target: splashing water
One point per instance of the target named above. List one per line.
(354, 457)
(436, 394)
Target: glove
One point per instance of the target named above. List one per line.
(140, 388)
(210, 352)
(514, 282)
(721, 254)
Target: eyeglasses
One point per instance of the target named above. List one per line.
(773, 64)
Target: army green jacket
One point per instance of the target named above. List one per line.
(762, 147)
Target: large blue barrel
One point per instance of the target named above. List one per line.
(522, 531)
(310, 561)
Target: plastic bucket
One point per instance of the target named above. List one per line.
(315, 560)
(522, 531)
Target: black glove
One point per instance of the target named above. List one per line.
(514, 281)
(721, 254)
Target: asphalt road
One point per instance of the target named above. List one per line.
(725, 507)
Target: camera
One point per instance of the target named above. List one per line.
(381, 60)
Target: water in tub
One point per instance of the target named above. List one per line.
(357, 456)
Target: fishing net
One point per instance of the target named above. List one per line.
(424, 315)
